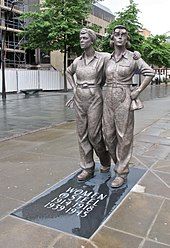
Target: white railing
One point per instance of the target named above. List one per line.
(19, 79)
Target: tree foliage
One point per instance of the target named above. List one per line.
(129, 18)
(156, 51)
(167, 47)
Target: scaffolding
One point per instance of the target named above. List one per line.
(11, 25)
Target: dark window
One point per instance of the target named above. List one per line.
(102, 14)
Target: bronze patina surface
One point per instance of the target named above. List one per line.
(118, 112)
(88, 103)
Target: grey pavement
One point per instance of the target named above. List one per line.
(48, 152)
(20, 114)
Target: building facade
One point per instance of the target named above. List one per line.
(100, 16)
(145, 32)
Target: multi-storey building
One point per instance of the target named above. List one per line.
(11, 25)
(100, 16)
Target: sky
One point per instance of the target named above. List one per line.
(154, 16)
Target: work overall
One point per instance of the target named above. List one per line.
(88, 105)
(118, 118)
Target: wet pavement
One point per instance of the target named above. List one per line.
(32, 163)
(20, 114)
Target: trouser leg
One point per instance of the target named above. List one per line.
(125, 142)
(95, 130)
(109, 131)
(85, 147)
(81, 104)
(124, 122)
(118, 125)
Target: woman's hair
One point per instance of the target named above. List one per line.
(128, 44)
(90, 32)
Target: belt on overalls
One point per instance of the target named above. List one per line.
(88, 85)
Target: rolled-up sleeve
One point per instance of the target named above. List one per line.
(144, 68)
(72, 68)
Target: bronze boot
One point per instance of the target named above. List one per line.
(85, 175)
(118, 182)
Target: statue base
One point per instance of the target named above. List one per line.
(78, 208)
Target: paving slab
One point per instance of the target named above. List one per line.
(111, 238)
(136, 214)
(150, 244)
(161, 228)
(162, 165)
(144, 161)
(15, 233)
(154, 185)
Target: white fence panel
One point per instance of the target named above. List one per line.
(10, 80)
(19, 79)
(51, 80)
(28, 79)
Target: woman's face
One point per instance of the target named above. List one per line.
(120, 37)
(85, 40)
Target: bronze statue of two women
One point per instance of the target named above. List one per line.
(106, 125)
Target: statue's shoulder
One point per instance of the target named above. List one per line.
(77, 59)
(134, 55)
(130, 54)
(103, 54)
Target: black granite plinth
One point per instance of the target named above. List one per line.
(75, 207)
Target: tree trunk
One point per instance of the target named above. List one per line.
(65, 67)
(159, 73)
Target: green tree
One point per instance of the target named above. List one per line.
(156, 51)
(167, 47)
(129, 18)
(56, 25)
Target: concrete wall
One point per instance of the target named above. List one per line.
(57, 60)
